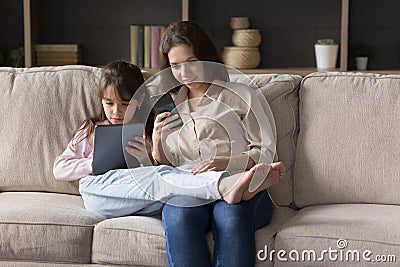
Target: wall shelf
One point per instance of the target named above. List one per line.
(104, 35)
(31, 9)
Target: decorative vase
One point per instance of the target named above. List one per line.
(239, 23)
(241, 57)
(326, 56)
(361, 63)
(246, 38)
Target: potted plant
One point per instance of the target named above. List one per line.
(326, 51)
(16, 57)
(362, 53)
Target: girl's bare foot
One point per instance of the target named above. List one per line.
(232, 188)
(275, 171)
(236, 187)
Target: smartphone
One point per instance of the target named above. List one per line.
(165, 103)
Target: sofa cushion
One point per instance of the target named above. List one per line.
(349, 138)
(35, 264)
(42, 107)
(350, 229)
(136, 240)
(45, 227)
(45, 264)
(266, 235)
(281, 92)
(140, 241)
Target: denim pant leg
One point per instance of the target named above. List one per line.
(233, 228)
(185, 224)
(141, 190)
(116, 194)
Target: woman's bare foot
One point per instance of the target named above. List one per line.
(275, 173)
(236, 187)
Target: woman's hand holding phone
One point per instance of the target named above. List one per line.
(164, 124)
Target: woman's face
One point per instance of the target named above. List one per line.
(186, 68)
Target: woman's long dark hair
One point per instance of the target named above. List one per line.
(192, 34)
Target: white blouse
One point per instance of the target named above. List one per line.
(230, 119)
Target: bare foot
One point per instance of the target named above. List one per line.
(232, 188)
(235, 188)
(275, 171)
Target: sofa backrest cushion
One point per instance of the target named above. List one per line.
(349, 145)
(41, 108)
(281, 92)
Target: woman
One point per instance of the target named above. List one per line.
(226, 117)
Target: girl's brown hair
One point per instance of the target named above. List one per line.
(125, 78)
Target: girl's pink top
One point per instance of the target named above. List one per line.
(76, 161)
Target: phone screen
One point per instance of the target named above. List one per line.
(164, 103)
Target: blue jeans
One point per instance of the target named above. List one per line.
(232, 226)
(143, 191)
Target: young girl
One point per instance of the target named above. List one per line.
(118, 83)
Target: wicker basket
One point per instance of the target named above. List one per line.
(241, 57)
(239, 23)
(247, 38)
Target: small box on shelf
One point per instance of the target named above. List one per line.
(57, 54)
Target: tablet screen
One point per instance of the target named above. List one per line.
(109, 147)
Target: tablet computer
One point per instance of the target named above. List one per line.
(109, 147)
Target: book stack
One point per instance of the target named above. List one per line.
(145, 43)
(57, 54)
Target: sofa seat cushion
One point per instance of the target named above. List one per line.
(342, 227)
(266, 235)
(45, 264)
(131, 240)
(140, 241)
(45, 227)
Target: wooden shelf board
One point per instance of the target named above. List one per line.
(296, 71)
(306, 71)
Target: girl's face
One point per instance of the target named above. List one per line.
(114, 108)
(186, 68)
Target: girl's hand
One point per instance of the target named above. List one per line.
(158, 125)
(215, 164)
(141, 148)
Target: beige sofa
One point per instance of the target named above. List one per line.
(338, 135)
